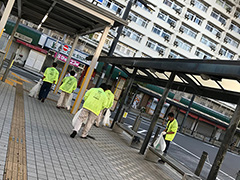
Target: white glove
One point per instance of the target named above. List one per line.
(164, 133)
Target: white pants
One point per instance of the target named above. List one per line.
(62, 101)
(99, 118)
(85, 115)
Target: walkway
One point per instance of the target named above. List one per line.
(52, 154)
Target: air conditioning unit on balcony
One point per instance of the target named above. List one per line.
(236, 14)
(167, 38)
(218, 35)
(161, 52)
(226, 40)
(172, 24)
(178, 11)
(192, 2)
(220, 52)
(181, 29)
(229, 9)
(231, 27)
(175, 43)
(187, 16)
(170, 56)
(213, 48)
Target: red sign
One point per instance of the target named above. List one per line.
(32, 46)
(64, 59)
(65, 47)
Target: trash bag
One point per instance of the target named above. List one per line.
(35, 90)
(69, 101)
(74, 120)
(106, 119)
(160, 144)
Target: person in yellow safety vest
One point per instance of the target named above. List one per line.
(95, 101)
(170, 131)
(110, 96)
(50, 77)
(69, 84)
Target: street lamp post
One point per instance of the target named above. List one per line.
(115, 41)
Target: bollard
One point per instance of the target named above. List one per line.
(238, 175)
(156, 135)
(8, 67)
(201, 163)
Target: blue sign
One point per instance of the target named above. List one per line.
(99, 1)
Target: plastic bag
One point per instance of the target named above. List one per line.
(76, 117)
(35, 90)
(69, 101)
(106, 119)
(160, 144)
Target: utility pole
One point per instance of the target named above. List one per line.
(115, 41)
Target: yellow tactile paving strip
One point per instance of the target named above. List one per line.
(16, 165)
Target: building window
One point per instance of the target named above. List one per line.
(161, 32)
(188, 31)
(225, 5)
(201, 54)
(208, 42)
(226, 52)
(112, 6)
(139, 4)
(231, 41)
(212, 29)
(138, 19)
(174, 55)
(126, 50)
(218, 17)
(193, 17)
(132, 34)
(155, 46)
(173, 5)
(184, 45)
(167, 18)
(237, 14)
(201, 6)
(235, 28)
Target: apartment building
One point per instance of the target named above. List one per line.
(196, 29)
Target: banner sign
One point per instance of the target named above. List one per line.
(65, 50)
(64, 59)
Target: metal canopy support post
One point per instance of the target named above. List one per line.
(225, 143)
(118, 114)
(114, 44)
(90, 71)
(8, 67)
(157, 113)
(9, 42)
(5, 15)
(188, 110)
(66, 64)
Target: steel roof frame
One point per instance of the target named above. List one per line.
(215, 69)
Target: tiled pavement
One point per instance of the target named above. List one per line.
(52, 154)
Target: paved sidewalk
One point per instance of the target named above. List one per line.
(52, 154)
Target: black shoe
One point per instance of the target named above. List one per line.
(96, 125)
(74, 133)
(42, 100)
(58, 107)
(84, 137)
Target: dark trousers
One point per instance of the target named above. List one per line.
(167, 146)
(46, 87)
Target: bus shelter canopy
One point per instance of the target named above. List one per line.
(66, 16)
(216, 79)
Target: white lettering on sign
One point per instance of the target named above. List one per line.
(77, 54)
(64, 59)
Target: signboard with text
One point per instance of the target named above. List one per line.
(64, 59)
(65, 50)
